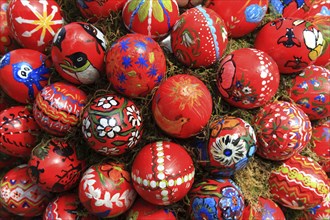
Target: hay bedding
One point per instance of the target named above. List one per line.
(252, 179)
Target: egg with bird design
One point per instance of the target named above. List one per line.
(78, 52)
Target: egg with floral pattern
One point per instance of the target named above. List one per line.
(299, 183)
(162, 172)
(112, 124)
(106, 190)
(215, 199)
(320, 139)
(241, 17)
(311, 91)
(264, 209)
(135, 64)
(294, 43)
(199, 38)
(283, 130)
(321, 211)
(232, 143)
(154, 18)
(248, 78)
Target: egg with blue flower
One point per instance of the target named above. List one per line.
(215, 199)
(232, 144)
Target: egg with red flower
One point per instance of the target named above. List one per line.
(58, 107)
(20, 196)
(106, 190)
(162, 172)
(294, 43)
(23, 73)
(33, 24)
(112, 124)
(241, 17)
(299, 183)
(18, 131)
(55, 166)
(248, 78)
(215, 199)
(199, 38)
(182, 106)
(78, 51)
(264, 209)
(153, 18)
(311, 91)
(135, 64)
(283, 130)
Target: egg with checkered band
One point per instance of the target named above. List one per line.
(162, 172)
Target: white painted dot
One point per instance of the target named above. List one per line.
(171, 182)
(263, 82)
(185, 178)
(263, 89)
(160, 154)
(153, 183)
(162, 184)
(160, 148)
(164, 193)
(160, 160)
(262, 62)
(190, 176)
(161, 176)
(145, 182)
(160, 168)
(139, 180)
(179, 181)
(263, 74)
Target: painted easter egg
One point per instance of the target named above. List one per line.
(142, 209)
(182, 105)
(58, 107)
(162, 172)
(7, 42)
(135, 64)
(294, 45)
(78, 52)
(189, 3)
(241, 17)
(65, 206)
(199, 37)
(23, 73)
(112, 124)
(97, 10)
(299, 183)
(232, 143)
(248, 78)
(215, 199)
(153, 18)
(311, 91)
(283, 130)
(320, 138)
(106, 190)
(321, 211)
(20, 196)
(18, 131)
(264, 209)
(55, 166)
(33, 24)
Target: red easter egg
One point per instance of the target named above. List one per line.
(106, 190)
(321, 137)
(299, 183)
(311, 91)
(142, 209)
(112, 124)
(294, 43)
(215, 199)
(65, 206)
(232, 143)
(241, 17)
(321, 211)
(34, 23)
(20, 196)
(182, 105)
(265, 209)
(162, 172)
(55, 166)
(58, 107)
(97, 10)
(7, 42)
(135, 64)
(78, 52)
(248, 78)
(283, 130)
(153, 18)
(188, 3)
(23, 73)
(199, 37)
(18, 131)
